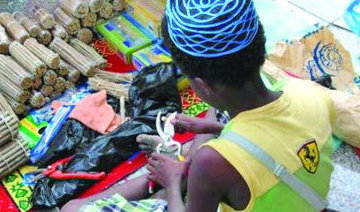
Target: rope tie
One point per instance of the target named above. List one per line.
(7, 164)
(21, 145)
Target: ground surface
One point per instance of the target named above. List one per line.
(345, 184)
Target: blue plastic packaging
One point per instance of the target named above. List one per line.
(51, 130)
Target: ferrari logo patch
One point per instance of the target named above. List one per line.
(309, 156)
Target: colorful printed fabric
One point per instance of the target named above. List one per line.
(20, 193)
(192, 105)
(110, 53)
(117, 203)
(196, 109)
(189, 98)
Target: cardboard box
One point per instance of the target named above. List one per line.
(124, 35)
(148, 13)
(150, 56)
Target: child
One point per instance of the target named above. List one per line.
(274, 155)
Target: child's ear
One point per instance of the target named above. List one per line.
(202, 88)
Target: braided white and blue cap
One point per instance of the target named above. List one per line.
(211, 28)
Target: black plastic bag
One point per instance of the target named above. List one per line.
(153, 90)
(72, 136)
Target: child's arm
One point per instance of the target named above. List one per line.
(197, 125)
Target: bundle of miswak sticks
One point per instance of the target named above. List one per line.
(89, 52)
(27, 59)
(4, 41)
(13, 155)
(14, 28)
(9, 124)
(4, 105)
(13, 72)
(17, 107)
(29, 24)
(111, 88)
(51, 59)
(44, 17)
(70, 23)
(73, 57)
(77, 8)
(13, 90)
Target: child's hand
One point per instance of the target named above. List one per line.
(196, 125)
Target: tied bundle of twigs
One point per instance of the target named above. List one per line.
(47, 90)
(45, 19)
(12, 71)
(73, 75)
(50, 58)
(118, 5)
(69, 84)
(89, 52)
(106, 11)
(14, 91)
(29, 24)
(111, 88)
(73, 57)
(95, 5)
(27, 59)
(4, 41)
(60, 84)
(60, 31)
(63, 69)
(115, 77)
(4, 105)
(89, 20)
(71, 24)
(13, 155)
(55, 95)
(44, 37)
(14, 28)
(37, 82)
(9, 125)
(50, 77)
(16, 106)
(85, 35)
(36, 100)
(77, 8)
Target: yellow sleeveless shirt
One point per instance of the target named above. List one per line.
(296, 130)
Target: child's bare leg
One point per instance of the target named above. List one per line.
(132, 190)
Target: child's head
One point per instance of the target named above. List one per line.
(214, 42)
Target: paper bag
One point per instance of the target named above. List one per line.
(317, 56)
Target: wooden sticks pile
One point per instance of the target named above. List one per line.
(73, 57)
(13, 155)
(113, 89)
(27, 59)
(4, 41)
(14, 28)
(45, 18)
(9, 124)
(89, 52)
(77, 8)
(115, 77)
(29, 24)
(70, 23)
(51, 59)
(13, 72)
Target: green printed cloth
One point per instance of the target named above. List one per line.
(118, 203)
(196, 109)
